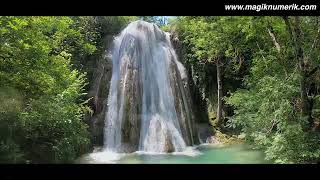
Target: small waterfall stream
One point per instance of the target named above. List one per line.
(148, 108)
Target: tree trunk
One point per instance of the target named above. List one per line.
(220, 93)
(305, 107)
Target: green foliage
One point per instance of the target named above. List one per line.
(10, 152)
(10, 126)
(232, 40)
(113, 24)
(35, 55)
(45, 62)
(42, 111)
(262, 82)
(268, 110)
(268, 117)
(55, 126)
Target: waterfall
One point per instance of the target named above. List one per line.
(148, 108)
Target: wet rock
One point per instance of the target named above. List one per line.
(168, 146)
(182, 99)
(98, 92)
(213, 140)
(96, 128)
(205, 131)
(128, 148)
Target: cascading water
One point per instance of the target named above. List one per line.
(148, 107)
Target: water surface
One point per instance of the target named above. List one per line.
(202, 154)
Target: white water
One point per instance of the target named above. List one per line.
(109, 157)
(142, 55)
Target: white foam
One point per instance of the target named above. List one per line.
(188, 151)
(105, 157)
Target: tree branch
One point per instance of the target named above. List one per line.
(315, 40)
(288, 25)
(273, 37)
(314, 70)
(314, 44)
(272, 126)
(278, 47)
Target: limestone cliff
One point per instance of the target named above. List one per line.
(202, 128)
(99, 89)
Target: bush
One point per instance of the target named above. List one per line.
(55, 131)
(269, 115)
(10, 125)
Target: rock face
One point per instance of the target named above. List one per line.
(201, 126)
(213, 140)
(205, 132)
(168, 146)
(99, 89)
(186, 98)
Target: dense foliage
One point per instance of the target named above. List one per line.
(217, 44)
(43, 65)
(279, 58)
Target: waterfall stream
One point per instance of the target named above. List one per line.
(148, 108)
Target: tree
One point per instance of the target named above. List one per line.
(45, 64)
(217, 40)
(273, 107)
(276, 107)
(36, 55)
